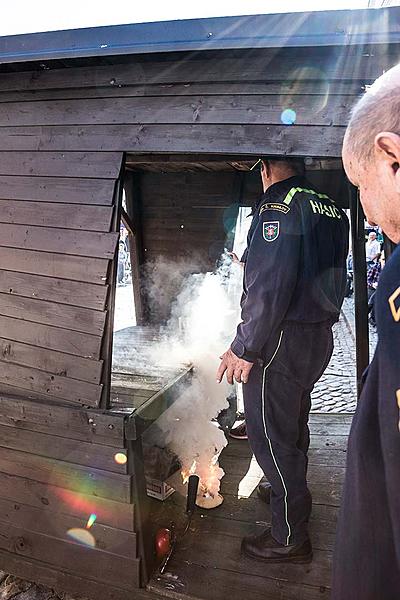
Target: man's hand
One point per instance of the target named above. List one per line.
(235, 367)
(235, 259)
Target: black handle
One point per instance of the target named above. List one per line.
(193, 485)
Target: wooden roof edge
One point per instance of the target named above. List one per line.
(319, 28)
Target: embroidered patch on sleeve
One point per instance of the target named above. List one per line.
(395, 307)
(270, 230)
(275, 206)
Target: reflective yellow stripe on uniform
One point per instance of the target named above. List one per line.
(317, 206)
(292, 192)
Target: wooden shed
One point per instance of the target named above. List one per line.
(175, 114)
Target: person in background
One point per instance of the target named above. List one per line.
(373, 273)
(293, 289)
(122, 256)
(372, 248)
(349, 282)
(367, 554)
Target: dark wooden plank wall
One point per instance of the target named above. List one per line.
(57, 467)
(62, 132)
(218, 102)
(56, 244)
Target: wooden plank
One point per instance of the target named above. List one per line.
(107, 343)
(330, 418)
(57, 189)
(63, 241)
(322, 533)
(329, 64)
(198, 550)
(195, 582)
(55, 386)
(53, 500)
(291, 87)
(74, 318)
(53, 524)
(57, 579)
(89, 480)
(266, 110)
(76, 268)
(237, 449)
(323, 491)
(55, 363)
(46, 214)
(105, 165)
(252, 139)
(54, 289)
(53, 338)
(88, 454)
(69, 422)
(70, 556)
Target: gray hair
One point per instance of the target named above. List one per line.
(378, 110)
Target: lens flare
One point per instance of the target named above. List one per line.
(82, 536)
(91, 520)
(120, 458)
(288, 116)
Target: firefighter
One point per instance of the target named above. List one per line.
(367, 554)
(294, 284)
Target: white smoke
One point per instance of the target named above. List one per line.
(202, 325)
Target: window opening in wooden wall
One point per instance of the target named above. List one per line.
(125, 315)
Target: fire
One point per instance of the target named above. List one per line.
(210, 479)
(186, 473)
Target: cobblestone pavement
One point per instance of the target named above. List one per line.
(336, 391)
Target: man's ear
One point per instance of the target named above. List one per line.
(387, 147)
(266, 168)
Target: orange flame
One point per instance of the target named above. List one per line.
(186, 473)
(210, 476)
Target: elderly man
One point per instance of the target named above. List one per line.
(367, 557)
(372, 248)
(294, 283)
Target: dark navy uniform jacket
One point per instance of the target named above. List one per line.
(367, 555)
(295, 264)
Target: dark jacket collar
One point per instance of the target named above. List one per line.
(277, 191)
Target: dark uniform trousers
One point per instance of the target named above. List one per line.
(277, 401)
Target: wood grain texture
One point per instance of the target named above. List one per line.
(56, 524)
(104, 165)
(290, 87)
(63, 241)
(72, 557)
(54, 289)
(82, 479)
(252, 139)
(88, 454)
(51, 264)
(53, 363)
(46, 214)
(53, 338)
(53, 386)
(247, 66)
(74, 318)
(243, 109)
(57, 189)
(68, 422)
(63, 581)
(52, 500)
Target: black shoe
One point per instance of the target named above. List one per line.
(265, 548)
(264, 491)
(239, 432)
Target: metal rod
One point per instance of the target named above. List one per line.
(360, 284)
